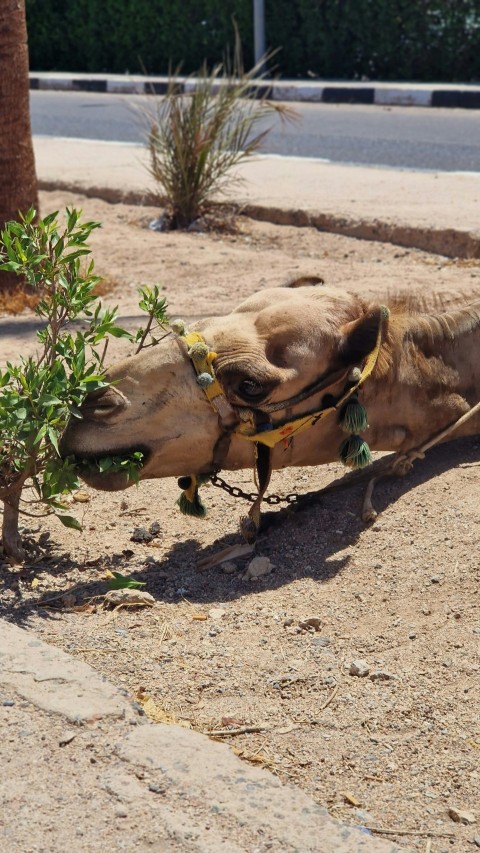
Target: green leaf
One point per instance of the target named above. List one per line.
(120, 581)
(70, 521)
(53, 438)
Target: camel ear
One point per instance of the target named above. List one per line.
(359, 337)
(305, 280)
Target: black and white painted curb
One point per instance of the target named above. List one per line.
(464, 96)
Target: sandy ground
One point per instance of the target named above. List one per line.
(393, 750)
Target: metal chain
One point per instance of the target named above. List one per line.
(236, 492)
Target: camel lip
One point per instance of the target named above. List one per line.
(110, 479)
(115, 482)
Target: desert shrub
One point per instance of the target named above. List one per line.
(197, 136)
(40, 393)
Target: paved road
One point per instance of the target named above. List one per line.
(407, 137)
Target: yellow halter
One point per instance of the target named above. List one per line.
(241, 421)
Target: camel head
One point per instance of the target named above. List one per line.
(292, 345)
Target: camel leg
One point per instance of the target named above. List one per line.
(398, 468)
(369, 513)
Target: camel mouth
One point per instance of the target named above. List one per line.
(111, 472)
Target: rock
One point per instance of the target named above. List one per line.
(381, 675)
(363, 816)
(412, 635)
(321, 642)
(359, 668)
(476, 840)
(257, 567)
(141, 534)
(128, 598)
(67, 737)
(311, 624)
(216, 613)
(287, 622)
(228, 568)
(154, 529)
(435, 579)
(461, 816)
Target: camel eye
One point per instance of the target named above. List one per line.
(249, 389)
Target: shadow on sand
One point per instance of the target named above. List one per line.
(304, 542)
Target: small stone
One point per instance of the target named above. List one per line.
(128, 597)
(156, 789)
(154, 529)
(258, 567)
(381, 675)
(81, 497)
(363, 816)
(476, 840)
(435, 579)
(8, 703)
(321, 642)
(359, 668)
(311, 624)
(461, 816)
(228, 568)
(412, 635)
(67, 737)
(216, 613)
(140, 534)
(289, 621)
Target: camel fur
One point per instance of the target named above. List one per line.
(270, 349)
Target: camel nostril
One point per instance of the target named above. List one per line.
(103, 404)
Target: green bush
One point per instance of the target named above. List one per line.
(345, 39)
(40, 393)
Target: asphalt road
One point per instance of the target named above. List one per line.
(404, 137)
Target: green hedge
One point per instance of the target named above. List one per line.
(341, 39)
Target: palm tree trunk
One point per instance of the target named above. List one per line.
(18, 188)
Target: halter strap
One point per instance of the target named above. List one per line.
(242, 421)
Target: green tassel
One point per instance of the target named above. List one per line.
(353, 417)
(190, 502)
(195, 508)
(355, 452)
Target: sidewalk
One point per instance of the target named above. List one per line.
(434, 211)
(83, 770)
(460, 95)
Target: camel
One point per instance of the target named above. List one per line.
(294, 376)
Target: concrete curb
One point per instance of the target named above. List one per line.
(189, 793)
(428, 211)
(462, 96)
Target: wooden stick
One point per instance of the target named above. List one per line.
(330, 698)
(243, 730)
(425, 832)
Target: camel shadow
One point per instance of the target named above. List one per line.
(300, 541)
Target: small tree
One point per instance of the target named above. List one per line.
(196, 138)
(40, 393)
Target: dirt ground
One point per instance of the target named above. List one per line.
(394, 749)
